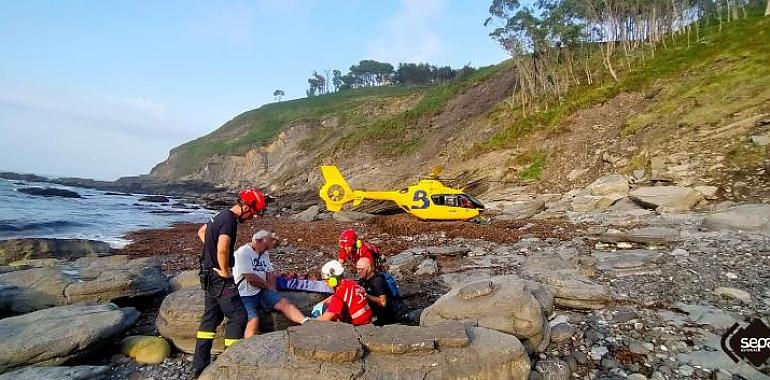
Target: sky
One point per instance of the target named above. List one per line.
(104, 89)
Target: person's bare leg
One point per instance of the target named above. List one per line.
(290, 311)
(252, 328)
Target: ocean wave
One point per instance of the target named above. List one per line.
(55, 225)
(169, 212)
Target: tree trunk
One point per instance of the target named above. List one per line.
(767, 10)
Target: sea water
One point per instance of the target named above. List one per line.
(96, 216)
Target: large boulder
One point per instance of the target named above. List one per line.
(145, 349)
(54, 336)
(614, 183)
(20, 249)
(569, 285)
(745, 217)
(98, 279)
(504, 303)
(308, 215)
(671, 198)
(82, 372)
(181, 311)
(449, 351)
(185, 279)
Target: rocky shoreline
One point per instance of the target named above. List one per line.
(607, 292)
(142, 184)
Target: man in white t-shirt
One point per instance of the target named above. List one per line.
(253, 272)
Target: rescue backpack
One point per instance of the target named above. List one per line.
(395, 295)
(379, 264)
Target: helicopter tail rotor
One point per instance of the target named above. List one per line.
(335, 191)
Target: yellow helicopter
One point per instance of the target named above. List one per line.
(429, 199)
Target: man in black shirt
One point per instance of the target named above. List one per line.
(377, 291)
(216, 263)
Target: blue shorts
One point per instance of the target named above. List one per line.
(265, 300)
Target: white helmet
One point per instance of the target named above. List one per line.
(332, 269)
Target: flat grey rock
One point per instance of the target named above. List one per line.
(448, 250)
(396, 339)
(673, 198)
(17, 249)
(710, 316)
(754, 217)
(569, 285)
(351, 216)
(644, 235)
(83, 372)
(88, 279)
(467, 276)
(35, 289)
(629, 263)
(519, 210)
(53, 336)
(326, 341)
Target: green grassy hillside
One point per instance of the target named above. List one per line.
(700, 83)
(262, 124)
(725, 71)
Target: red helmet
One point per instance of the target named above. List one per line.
(253, 198)
(348, 238)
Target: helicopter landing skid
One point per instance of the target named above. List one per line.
(481, 219)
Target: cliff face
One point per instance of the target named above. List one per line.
(704, 121)
(341, 134)
(276, 164)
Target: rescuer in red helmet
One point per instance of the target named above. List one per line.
(216, 263)
(352, 249)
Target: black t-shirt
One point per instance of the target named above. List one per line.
(376, 286)
(223, 223)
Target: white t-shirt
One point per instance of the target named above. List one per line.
(249, 261)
